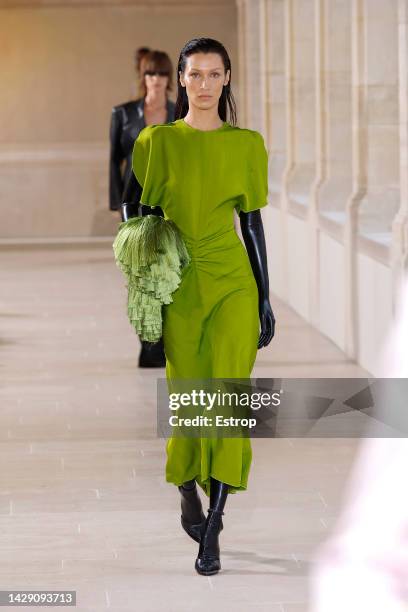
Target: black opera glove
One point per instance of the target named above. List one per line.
(131, 201)
(115, 159)
(131, 210)
(254, 239)
(130, 198)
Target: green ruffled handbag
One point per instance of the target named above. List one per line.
(151, 253)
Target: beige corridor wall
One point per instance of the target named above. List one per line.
(331, 82)
(64, 65)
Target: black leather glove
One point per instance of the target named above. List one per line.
(115, 159)
(131, 206)
(254, 239)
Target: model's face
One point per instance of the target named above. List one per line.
(156, 82)
(204, 78)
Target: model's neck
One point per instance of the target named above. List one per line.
(203, 119)
(156, 100)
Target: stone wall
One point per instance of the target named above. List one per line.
(325, 81)
(64, 64)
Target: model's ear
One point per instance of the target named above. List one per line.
(227, 77)
(181, 79)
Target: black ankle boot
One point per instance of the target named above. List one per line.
(192, 516)
(208, 560)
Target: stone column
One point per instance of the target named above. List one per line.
(242, 111)
(321, 157)
(302, 43)
(275, 95)
(251, 42)
(290, 133)
(381, 203)
(359, 170)
(399, 251)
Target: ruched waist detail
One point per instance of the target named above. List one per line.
(210, 246)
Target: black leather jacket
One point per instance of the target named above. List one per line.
(127, 121)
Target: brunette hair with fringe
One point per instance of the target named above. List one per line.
(155, 60)
(139, 55)
(205, 45)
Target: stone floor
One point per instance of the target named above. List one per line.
(83, 501)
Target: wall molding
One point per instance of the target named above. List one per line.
(77, 152)
(144, 4)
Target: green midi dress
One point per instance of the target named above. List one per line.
(211, 329)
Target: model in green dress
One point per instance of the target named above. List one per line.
(198, 178)
(211, 328)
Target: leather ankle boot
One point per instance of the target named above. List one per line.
(208, 560)
(192, 515)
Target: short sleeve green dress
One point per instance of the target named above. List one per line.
(211, 329)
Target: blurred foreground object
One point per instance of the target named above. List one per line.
(363, 566)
